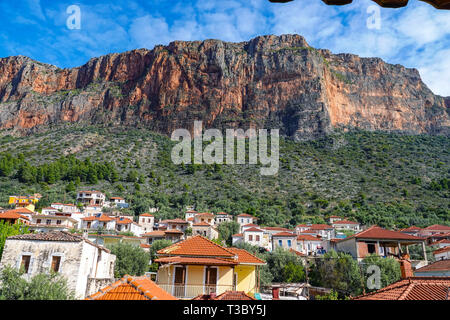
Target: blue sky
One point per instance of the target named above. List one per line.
(416, 36)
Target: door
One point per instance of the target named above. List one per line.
(179, 282)
(210, 280)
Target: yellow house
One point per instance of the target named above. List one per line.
(197, 266)
(28, 202)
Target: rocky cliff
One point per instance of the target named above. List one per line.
(268, 82)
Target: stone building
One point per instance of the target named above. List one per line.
(79, 260)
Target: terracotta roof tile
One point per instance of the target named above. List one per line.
(227, 295)
(132, 288)
(146, 215)
(437, 227)
(440, 265)
(307, 237)
(154, 234)
(253, 230)
(102, 218)
(376, 232)
(201, 224)
(413, 288)
(196, 246)
(197, 261)
(49, 236)
(284, 234)
(441, 250)
(11, 214)
(245, 257)
(238, 235)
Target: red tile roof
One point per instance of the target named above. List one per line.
(245, 215)
(284, 234)
(197, 261)
(441, 250)
(12, 214)
(102, 218)
(440, 265)
(345, 222)
(437, 227)
(376, 232)
(227, 295)
(245, 257)
(321, 227)
(132, 288)
(201, 224)
(173, 231)
(413, 288)
(300, 254)
(123, 221)
(196, 246)
(238, 235)
(205, 214)
(412, 228)
(154, 234)
(250, 225)
(252, 229)
(146, 215)
(307, 237)
(276, 229)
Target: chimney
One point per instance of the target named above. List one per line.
(275, 293)
(405, 267)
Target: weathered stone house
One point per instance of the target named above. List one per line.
(85, 265)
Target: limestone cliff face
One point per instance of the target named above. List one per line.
(268, 82)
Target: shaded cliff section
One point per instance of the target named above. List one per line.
(267, 82)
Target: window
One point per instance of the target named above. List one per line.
(250, 237)
(289, 243)
(25, 263)
(58, 221)
(257, 237)
(371, 248)
(56, 262)
(49, 221)
(38, 221)
(280, 243)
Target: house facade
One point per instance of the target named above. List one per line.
(77, 259)
(91, 198)
(147, 222)
(50, 222)
(197, 266)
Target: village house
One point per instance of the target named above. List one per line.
(14, 216)
(69, 207)
(91, 198)
(434, 229)
(440, 268)
(132, 288)
(175, 224)
(437, 237)
(285, 240)
(376, 240)
(343, 225)
(190, 214)
(309, 245)
(128, 225)
(442, 253)
(333, 219)
(197, 266)
(245, 218)
(412, 287)
(82, 263)
(254, 236)
(238, 237)
(412, 230)
(204, 217)
(147, 222)
(99, 221)
(222, 217)
(173, 235)
(28, 202)
(118, 202)
(205, 229)
(52, 222)
(49, 210)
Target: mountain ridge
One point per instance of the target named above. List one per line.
(266, 82)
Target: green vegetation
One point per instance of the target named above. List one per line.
(40, 287)
(8, 230)
(376, 178)
(130, 259)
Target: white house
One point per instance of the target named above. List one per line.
(342, 225)
(91, 198)
(99, 221)
(255, 237)
(118, 202)
(190, 214)
(69, 207)
(84, 264)
(204, 217)
(286, 240)
(442, 253)
(47, 222)
(222, 217)
(147, 222)
(128, 225)
(205, 229)
(308, 245)
(245, 218)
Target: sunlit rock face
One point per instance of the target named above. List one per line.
(267, 82)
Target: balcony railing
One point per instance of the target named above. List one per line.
(191, 291)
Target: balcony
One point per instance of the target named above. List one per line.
(187, 291)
